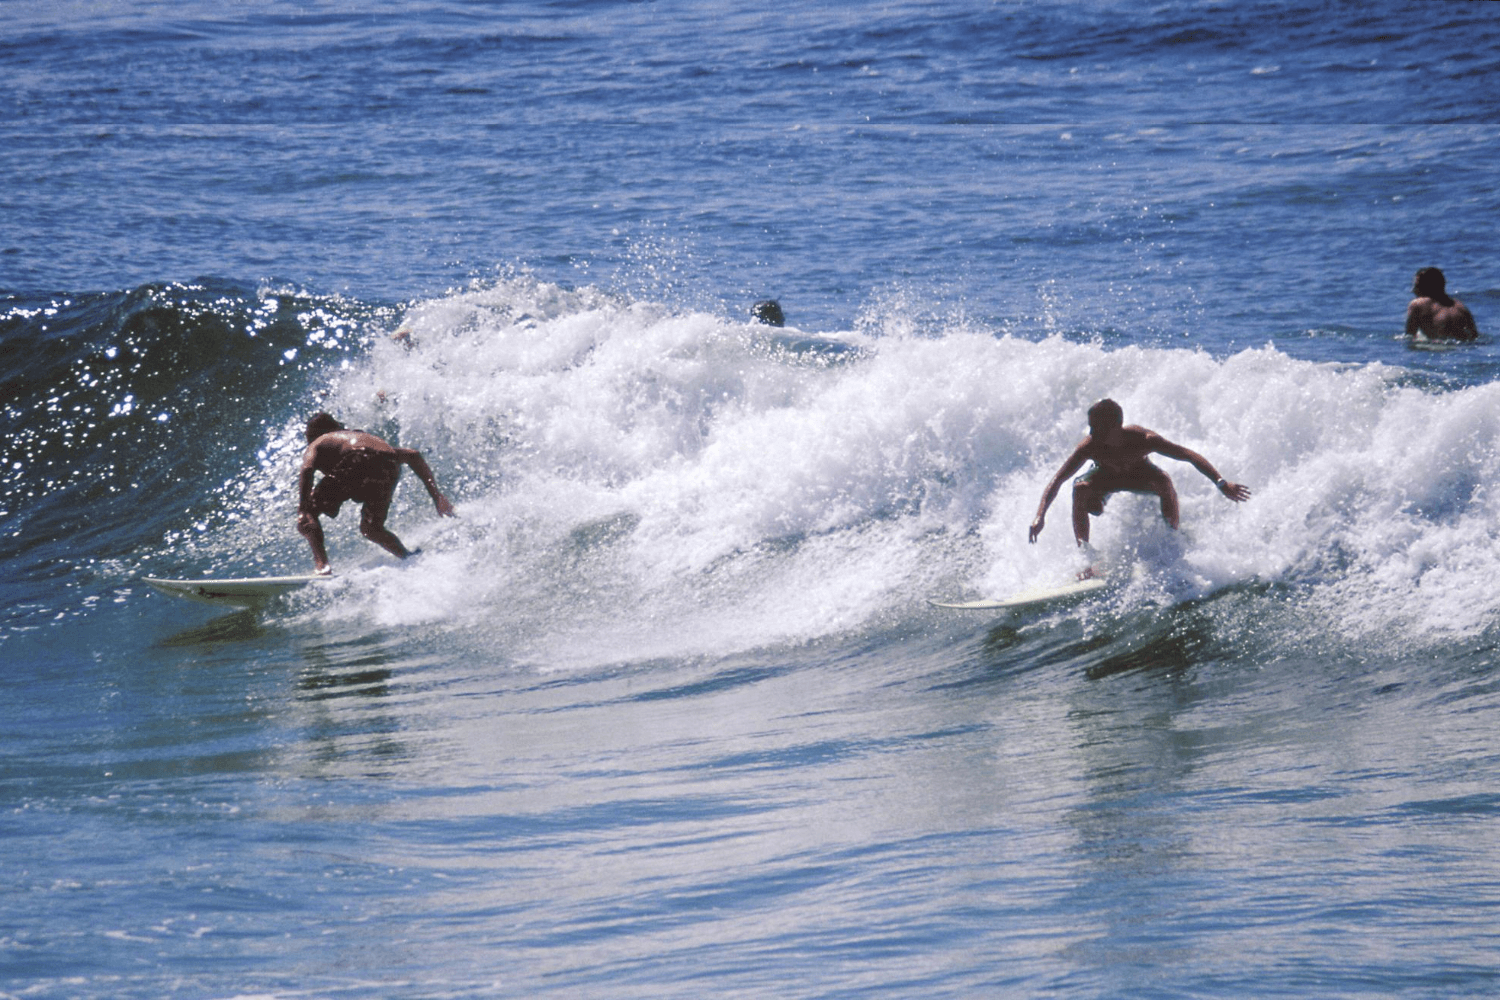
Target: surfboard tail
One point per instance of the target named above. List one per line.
(1037, 597)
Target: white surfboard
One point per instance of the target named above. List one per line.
(1421, 342)
(1036, 597)
(245, 592)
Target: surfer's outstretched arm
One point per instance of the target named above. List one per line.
(414, 459)
(1234, 491)
(1073, 464)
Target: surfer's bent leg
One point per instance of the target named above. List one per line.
(372, 524)
(1088, 498)
(1145, 479)
(1162, 486)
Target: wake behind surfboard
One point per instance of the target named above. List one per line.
(1036, 597)
(245, 592)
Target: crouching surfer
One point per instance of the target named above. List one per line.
(1120, 465)
(356, 466)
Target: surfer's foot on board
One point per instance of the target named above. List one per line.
(1087, 574)
(323, 571)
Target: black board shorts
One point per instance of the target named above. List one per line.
(362, 475)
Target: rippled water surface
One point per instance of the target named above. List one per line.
(666, 712)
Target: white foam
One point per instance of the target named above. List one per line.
(680, 482)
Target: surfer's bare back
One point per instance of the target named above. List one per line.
(1434, 314)
(1120, 464)
(356, 466)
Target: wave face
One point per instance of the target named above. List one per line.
(638, 482)
(130, 413)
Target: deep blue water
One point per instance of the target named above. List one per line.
(665, 711)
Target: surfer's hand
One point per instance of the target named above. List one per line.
(1237, 492)
(444, 508)
(1037, 526)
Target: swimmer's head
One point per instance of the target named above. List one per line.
(1430, 283)
(768, 311)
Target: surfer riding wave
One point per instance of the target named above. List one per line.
(1119, 453)
(360, 467)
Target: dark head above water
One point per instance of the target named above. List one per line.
(1430, 283)
(320, 424)
(768, 311)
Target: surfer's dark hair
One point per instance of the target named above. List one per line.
(1106, 413)
(320, 424)
(1431, 284)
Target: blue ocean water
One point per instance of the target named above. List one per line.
(665, 712)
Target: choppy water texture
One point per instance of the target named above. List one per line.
(665, 712)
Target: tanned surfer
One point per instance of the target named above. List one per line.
(356, 466)
(1119, 453)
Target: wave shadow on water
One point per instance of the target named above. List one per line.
(244, 625)
(1099, 641)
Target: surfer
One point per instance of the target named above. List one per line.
(1434, 314)
(356, 466)
(1120, 465)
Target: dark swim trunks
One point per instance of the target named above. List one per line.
(1097, 507)
(1087, 479)
(362, 475)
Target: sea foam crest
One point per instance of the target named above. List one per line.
(753, 485)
